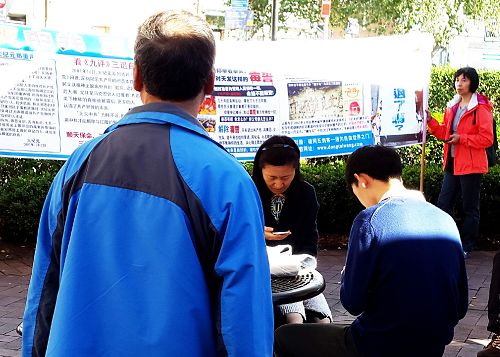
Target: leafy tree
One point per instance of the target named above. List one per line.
(288, 11)
(442, 18)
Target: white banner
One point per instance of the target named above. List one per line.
(59, 90)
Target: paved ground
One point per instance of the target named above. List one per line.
(470, 334)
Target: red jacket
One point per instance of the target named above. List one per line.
(476, 134)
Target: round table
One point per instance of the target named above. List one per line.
(288, 289)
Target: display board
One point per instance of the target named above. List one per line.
(58, 90)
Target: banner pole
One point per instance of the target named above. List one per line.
(422, 168)
(424, 140)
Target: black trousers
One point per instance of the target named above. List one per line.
(469, 186)
(314, 340)
(494, 298)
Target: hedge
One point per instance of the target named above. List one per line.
(24, 182)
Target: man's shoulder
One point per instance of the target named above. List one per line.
(404, 213)
(367, 213)
(407, 202)
(199, 158)
(79, 156)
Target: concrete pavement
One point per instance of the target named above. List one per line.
(470, 334)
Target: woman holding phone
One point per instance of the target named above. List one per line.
(467, 130)
(290, 212)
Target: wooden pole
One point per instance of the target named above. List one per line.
(422, 158)
(422, 167)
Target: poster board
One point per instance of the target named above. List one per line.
(59, 90)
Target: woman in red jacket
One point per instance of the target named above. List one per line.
(467, 130)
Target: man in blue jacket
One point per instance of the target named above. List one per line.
(404, 277)
(151, 239)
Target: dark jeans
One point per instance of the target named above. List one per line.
(314, 340)
(469, 186)
(494, 298)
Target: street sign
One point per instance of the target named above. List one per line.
(238, 19)
(3, 3)
(326, 6)
(492, 33)
(239, 4)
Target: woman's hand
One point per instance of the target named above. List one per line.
(454, 139)
(269, 235)
(428, 115)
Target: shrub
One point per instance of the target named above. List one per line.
(12, 167)
(24, 183)
(490, 203)
(338, 206)
(21, 201)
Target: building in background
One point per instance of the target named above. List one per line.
(479, 47)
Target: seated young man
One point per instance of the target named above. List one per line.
(404, 276)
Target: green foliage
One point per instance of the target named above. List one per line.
(442, 18)
(22, 197)
(287, 10)
(433, 175)
(377, 16)
(216, 22)
(490, 199)
(248, 166)
(24, 183)
(441, 88)
(338, 207)
(21, 201)
(412, 155)
(10, 168)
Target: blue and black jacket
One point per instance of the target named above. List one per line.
(150, 243)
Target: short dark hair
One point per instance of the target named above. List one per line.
(377, 161)
(175, 54)
(469, 73)
(278, 150)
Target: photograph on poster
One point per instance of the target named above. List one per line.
(314, 100)
(352, 96)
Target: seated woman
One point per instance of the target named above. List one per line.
(290, 205)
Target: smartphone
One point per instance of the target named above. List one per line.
(280, 233)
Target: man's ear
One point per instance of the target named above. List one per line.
(209, 86)
(363, 180)
(138, 80)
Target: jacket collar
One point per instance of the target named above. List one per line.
(162, 113)
(456, 99)
(159, 113)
